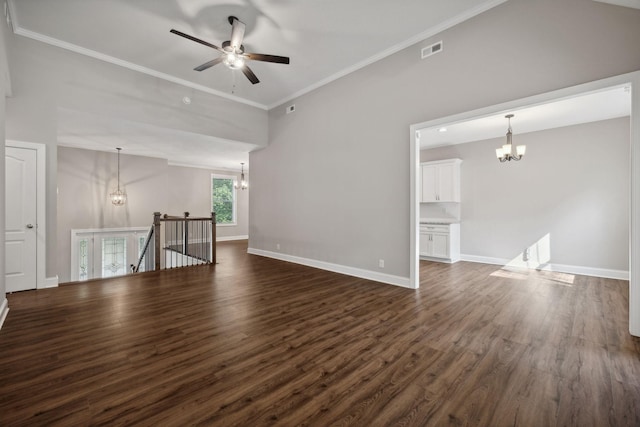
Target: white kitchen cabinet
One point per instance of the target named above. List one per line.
(440, 181)
(440, 242)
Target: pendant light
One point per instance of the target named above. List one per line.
(243, 182)
(118, 197)
(506, 152)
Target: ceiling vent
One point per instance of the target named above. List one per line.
(432, 49)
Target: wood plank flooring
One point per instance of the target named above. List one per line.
(254, 341)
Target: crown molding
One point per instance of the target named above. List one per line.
(635, 4)
(17, 29)
(396, 48)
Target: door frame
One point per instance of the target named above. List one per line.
(41, 204)
(632, 80)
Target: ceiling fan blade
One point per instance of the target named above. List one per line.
(237, 33)
(208, 64)
(197, 40)
(252, 77)
(268, 58)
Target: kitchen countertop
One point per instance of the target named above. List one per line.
(439, 221)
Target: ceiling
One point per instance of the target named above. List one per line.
(590, 107)
(325, 40)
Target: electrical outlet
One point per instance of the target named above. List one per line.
(278, 246)
(525, 255)
(381, 263)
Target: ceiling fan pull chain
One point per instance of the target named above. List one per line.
(233, 83)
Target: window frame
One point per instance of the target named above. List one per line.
(94, 255)
(234, 208)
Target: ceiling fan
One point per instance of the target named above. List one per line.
(233, 54)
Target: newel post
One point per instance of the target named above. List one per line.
(156, 237)
(213, 237)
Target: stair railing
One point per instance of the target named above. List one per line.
(185, 241)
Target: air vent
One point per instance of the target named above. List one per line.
(432, 49)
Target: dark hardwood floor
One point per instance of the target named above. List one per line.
(254, 341)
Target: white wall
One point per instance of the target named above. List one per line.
(47, 79)
(570, 195)
(86, 177)
(333, 184)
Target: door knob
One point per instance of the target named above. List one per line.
(29, 225)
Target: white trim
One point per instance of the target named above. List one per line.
(209, 168)
(464, 16)
(229, 238)
(631, 79)
(8, 91)
(51, 282)
(634, 216)
(4, 310)
(560, 268)
(336, 268)
(77, 231)
(625, 3)
(41, 206)
(131, 66)
(234, 178)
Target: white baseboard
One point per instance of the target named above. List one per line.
(4, 310)
(336, 268)
(50, 282)
(228, 238)
(559, 268)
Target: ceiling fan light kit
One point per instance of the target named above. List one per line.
(233, 54)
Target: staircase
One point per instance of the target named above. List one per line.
(178, 241)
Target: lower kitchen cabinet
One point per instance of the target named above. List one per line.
(440, 242)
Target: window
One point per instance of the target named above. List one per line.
(101, 253)
(223, 199)
(114, 256)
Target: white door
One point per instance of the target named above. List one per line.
(20, 220)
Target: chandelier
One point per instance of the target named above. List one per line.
(118, 197)
(243, 182)
(506, 152)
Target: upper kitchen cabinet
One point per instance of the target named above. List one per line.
(441, 181)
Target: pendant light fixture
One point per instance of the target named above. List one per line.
(243, 182)
(118, 197)
(506, 152)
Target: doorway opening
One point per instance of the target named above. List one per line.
(630, 81)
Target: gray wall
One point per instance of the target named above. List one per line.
(333, 184)
(47, 78)
(572, 185)
(86, 177)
